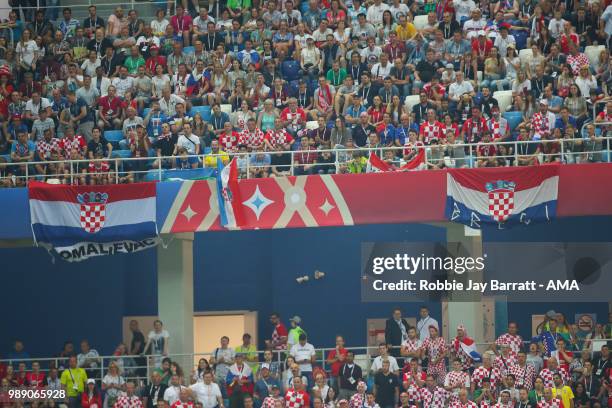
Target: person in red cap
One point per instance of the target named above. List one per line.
(154, 60)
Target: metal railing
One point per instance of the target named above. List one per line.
(141, 373)
(128, 169)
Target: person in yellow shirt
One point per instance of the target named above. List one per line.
(405, 30)
(250, 352)
(562, 392)
(210, 160)
(73, 380)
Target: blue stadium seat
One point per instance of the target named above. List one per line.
(514, 119)
(207, 150)
(145, 112)
(294, 88)
(189, 50)
(290, 70)
(113, 136)
(6, 157)
(203, 110)
(121, 154)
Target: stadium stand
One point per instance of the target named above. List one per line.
(141, 81)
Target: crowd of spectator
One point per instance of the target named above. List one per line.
(414, 367)
(355, 67)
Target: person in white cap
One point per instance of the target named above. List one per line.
(91, 397)
(473, 25)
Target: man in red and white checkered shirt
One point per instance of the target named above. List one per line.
(498, 125)
(293, 117)
(270, 400)
(433, 396)
(431, 128)
(542, 122)
(413, 378)
(252, 136)
(511, 338)
(279, 334)
(505, 361)
(48, 146)
(456, 380)
(296, 397)
(524, 374)
(358, 399)
(552, 367)
(463, 401)
(278, 137)
(486, 370)
(128, 399)
(72, 143)
(576, 60)
(548, 401)
(474, 127)
(228, 139)
(183, 401)
(505, 400)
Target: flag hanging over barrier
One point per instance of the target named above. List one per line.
(80, 222)
(502, 196)
(230, 204)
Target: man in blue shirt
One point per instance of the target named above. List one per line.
(18, 354)
(218, 119)
(388, 134)
(154, 119)
(565, 119)
(266, 386)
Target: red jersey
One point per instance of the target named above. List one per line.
(279, 331)
(153, 62)
(109, 106)
(98, 167)
(77, 143)
(296, 399)
(473, 128)
(486, 150)
(430, 131)
(481, 50)
(229, 141)
(278, 137)
(294, 118)
(252, 139)
(36, 380)
(181, 24)
(335, 366)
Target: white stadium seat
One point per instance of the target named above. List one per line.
(525, 55)
(504, 98)
(420, 22)
(410, 101)
(593, 51)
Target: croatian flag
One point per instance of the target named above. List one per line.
(79, 222)
(468, 346)
(228, 194)
(502, 196)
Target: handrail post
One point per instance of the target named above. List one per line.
(248, 170)
(292, 172)
(471, 156)
(516, 161)
(159, 169)
(608, 147)
(116, 171)
(562, 150)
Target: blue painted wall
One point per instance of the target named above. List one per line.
(255, 270)
(46, 303)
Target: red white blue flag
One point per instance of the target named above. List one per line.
(502, 197)
(228, 194)
(79, 222)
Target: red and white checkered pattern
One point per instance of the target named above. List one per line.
(486, 150)
(93, 217)
(501, 205)
(179, 404)
(46, 148)
(410, 147)
(270, 402)
(413, 380)
(456, 380)
(435, 398)
(540, 123)
(547, 376)
(553, 403)
(473, 129)
(459, 404)
(578, 61)
(295, 399)
(513, 340)
(229, 141)
(524, 376)
(466, 361)
(498, 128)
(357, 401)
(252, 139)
(77, 143)
(504, 364)
(278, 137)
(430, 131)
(434, 349)
(492, 373)
(128, 402)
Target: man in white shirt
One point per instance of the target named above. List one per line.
(375, 12)
(35, 105)
(88, 357)
(473, 25)
(207, 392)
(123, 83)
(424, 323)
(383, 349)
(168, 102)
(173, 392)
(222, 358)
(463, 9)
(304, 355)
(459, 87)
